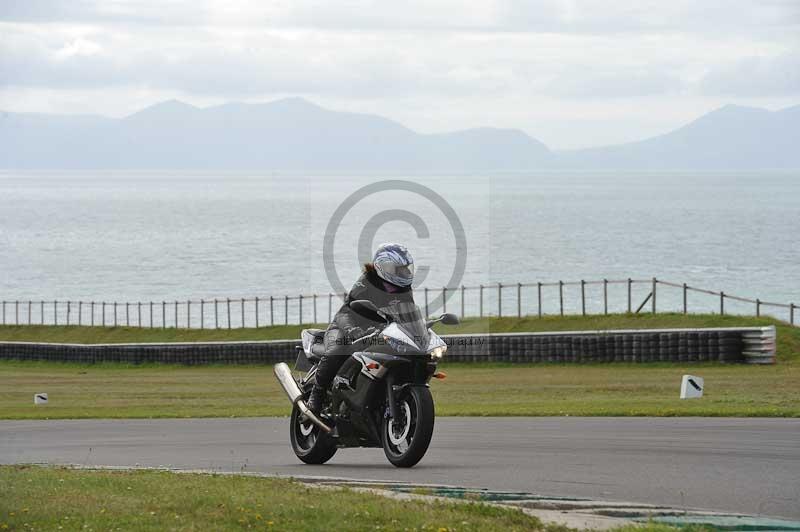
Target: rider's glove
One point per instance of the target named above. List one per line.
(371, 330)
(354, 333)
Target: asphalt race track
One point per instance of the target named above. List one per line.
(736, 465)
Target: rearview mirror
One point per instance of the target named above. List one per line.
(450, 319)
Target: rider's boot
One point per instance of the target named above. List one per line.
(316, 399)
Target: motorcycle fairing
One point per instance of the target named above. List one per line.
(396, 335)
(375, 365)
(436, 341)
(408, 318)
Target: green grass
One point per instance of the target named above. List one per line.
(56, 498)
(120, 391)
(125, 391)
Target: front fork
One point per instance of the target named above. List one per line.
(390, 397)
(391, 390)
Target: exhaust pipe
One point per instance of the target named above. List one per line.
(289, 385)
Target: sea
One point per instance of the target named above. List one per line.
(176, 236)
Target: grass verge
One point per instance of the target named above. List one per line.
(57, 498)
(120, 391)
(157, 500)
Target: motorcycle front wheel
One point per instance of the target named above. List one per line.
(309, 442)
(406, 439)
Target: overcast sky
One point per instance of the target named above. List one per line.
(571, 73)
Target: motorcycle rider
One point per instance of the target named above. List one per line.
(386, 279)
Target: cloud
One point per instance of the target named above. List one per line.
(592, 82)
(579, 16)
(756, 76)
(442, 64)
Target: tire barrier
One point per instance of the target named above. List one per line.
(751, 345)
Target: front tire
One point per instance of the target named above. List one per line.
(405, 440)
(309, 443)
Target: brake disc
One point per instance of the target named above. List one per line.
(401, 438)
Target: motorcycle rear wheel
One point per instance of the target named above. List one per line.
(309, 443)
(405, 440)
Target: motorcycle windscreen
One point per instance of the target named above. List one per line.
(409, 318)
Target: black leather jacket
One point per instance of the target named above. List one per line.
(370, 287)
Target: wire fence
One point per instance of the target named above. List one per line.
(500, 299)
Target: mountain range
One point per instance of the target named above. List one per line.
(295, 135)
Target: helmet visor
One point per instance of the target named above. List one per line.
(401, 274)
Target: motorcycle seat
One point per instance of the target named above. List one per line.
(316, 333)
(317, 348)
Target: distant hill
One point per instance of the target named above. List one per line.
(729, 138)
(290, 135)
(295, 135)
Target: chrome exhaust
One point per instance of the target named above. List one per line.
(289, 385)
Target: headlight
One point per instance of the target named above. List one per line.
(438, 352)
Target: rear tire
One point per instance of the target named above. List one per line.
(309, 442)
(406, 440)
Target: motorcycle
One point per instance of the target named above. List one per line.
(379, 398)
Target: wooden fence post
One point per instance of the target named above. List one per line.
(605, 296)
(257, 312)
(685, 290)
(271, 311)
(80, 313)
(151, 314)
(583, 297)
(539, 297)
(499, 300)
(228, 307)
(103, 317)
(16, 313)
(243, 321)
(127, 314)
(176, 314)
(655, 282)
(286, 310)
(722, 303)
(792, 306)
(519, 300)
(41, 312)
(115, 313)
(163, 314)
(139, 314)
(758, 308)
(4, 312)
(481, 301)
(462, 300)
(561, 297)
(216, 313)
(188, 314)
(55, 312)
(444, 299)
(29, 314)
(630, 282)
(300, 307)
(91, 308)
